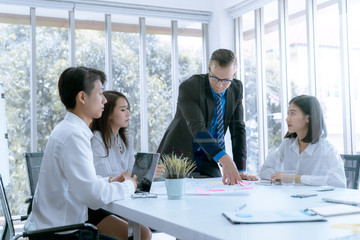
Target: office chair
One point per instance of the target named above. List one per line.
(352, 168)
(9, 230)
(33, 162)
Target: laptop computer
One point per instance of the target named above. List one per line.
(345, 199)
(144, 168)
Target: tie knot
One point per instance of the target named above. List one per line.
(219, 95)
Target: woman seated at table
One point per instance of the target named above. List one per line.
(305, 148)
(113, 153)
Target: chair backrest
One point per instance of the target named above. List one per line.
(8, 228)
(352, 168)
(33, 162)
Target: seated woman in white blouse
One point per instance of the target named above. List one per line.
(305, 148)
(113, 153)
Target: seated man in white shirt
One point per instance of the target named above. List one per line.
(67, 183)
(305, 149)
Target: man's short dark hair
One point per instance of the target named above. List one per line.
(311, 107)
(223, 57)
(75, 79)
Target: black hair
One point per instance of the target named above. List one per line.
(311, 107)
(223, 57)
(76, 79)
(102, 124)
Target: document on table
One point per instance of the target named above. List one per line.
(208, 186)
(335, 209)
(277, 216)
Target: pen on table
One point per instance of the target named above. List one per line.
(240, 208)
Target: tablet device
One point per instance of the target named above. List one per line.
(145, 168)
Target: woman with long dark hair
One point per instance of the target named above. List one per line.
(305, 148)
(113, 154)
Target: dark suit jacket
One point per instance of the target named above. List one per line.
(195, 109)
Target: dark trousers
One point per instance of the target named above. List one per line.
(78, 235)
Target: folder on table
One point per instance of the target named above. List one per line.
(276, 216)
(335, 209)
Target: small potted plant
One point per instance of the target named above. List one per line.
(176, 168)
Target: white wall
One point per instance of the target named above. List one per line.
(220, 28)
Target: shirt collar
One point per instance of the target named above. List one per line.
(78, 121)
(214, 93)
(309, 150)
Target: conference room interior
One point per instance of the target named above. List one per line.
(284, 48)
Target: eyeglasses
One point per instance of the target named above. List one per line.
(217, 80)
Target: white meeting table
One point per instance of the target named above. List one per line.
(200, 216)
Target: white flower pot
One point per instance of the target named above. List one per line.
(175, 188)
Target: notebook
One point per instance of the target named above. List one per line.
(144, 168)
(350, 200)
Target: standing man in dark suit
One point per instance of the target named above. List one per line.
(209, 104)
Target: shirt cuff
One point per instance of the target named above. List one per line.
(129, 188)
(219, 155)
(241, 171)
(313, 180)
(106, 179)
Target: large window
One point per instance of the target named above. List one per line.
(354, 60)
(297, 70)
(328, 82)
(272, 74)
(125, 68)
(249, 81)
(159, 79)
(15, 68)
(51, 59)
(316, 41)
(54, 52)
(190, 49)
(90, 39)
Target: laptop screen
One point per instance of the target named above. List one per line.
(144, 168)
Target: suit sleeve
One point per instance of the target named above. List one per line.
(238, 131)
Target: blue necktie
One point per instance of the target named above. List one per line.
(219, 120)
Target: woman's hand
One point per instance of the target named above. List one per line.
(276, 177)
(244, 176)
(127, 176)
(123, 177)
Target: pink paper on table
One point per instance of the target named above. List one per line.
(217, 190)
(244, 184)
(201, 190)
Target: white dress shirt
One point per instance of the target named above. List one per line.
(67, 183)
(319, 164)
(119, 159)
